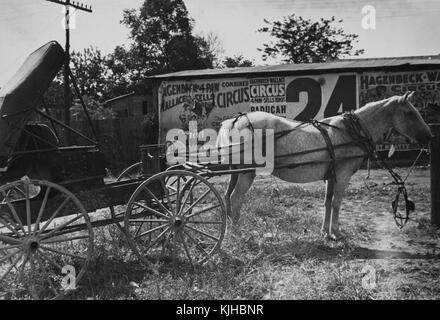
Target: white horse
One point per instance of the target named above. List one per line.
(377, 118)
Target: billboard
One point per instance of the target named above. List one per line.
(301, 98)
(208, 102)
(211, 101)
(374, 86)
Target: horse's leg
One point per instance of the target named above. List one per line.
(338, 192)
(329, 188)
(243, 184)
(232, 184)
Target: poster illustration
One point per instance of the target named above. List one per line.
(268, 95)
(209, 102)
(380, 85)
(320, 96)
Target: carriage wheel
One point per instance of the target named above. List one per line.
(175, 215)
(132, 172)
(46, 240)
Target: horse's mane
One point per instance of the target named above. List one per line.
(380, 103)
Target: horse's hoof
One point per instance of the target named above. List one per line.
(335, 236)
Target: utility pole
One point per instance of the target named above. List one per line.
(67, 95)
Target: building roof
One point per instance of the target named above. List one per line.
(345, 65)
(120, 97)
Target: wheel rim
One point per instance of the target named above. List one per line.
(44, 248)
(132, 172)
(175, 215)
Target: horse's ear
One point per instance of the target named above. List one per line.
(407, 96)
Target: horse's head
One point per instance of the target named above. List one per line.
(408, 122)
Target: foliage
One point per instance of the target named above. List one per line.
(237, 61)
(95, 80)
(90, 71)
(163, 39)
(96, 110)
(277, 252)
(54, 95)
(299, 40)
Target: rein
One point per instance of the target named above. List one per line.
(363, 137)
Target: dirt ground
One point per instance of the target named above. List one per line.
(405, 261)
(278, 251)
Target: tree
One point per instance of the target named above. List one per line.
(300, 40)
(96, 82)
(92, 74)
(214, 48)
(237, 61)
(163, 40)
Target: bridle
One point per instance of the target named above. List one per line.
(361, 135)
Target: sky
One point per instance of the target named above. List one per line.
(403, 27)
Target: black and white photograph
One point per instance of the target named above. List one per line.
(219, 154)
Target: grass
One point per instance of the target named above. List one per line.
(279, 253)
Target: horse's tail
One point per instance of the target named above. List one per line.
(239, 123)
(223, 136)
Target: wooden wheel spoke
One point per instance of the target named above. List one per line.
(46, 275)
(23, 265)
(138, 230)
(54, 215)
(203, 233)
(46, 257)
(7, 225)
(164, 188)
(61, 226)
(193, 196)
(31, 261)
(43, 206)
(36, 239)
(28, 206)
(197, 201)
(178, 195)
(185, 247)
(64, 253)
(198, 246)
(152, 210)
(9, 239)
(188, 194)
(203, 210)
(152, 230)
(9, 256)
(160, 236)
(11, 266)
(157, 200)
(11, 247)
(14, 213)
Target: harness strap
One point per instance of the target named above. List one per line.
(331, 172)
(243, 114)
